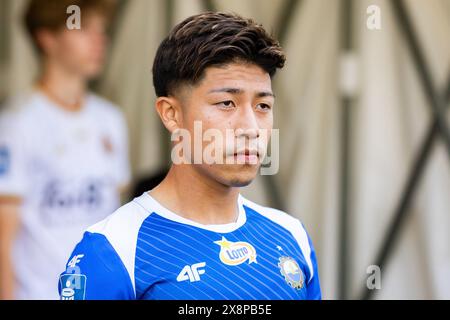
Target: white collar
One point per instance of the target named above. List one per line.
(150, 204)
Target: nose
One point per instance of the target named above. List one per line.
(247, 124)
(99, 38)
(97, 34)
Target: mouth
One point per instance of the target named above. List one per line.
(247, 153)
(247, 156)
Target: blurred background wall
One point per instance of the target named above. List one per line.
(353, 116)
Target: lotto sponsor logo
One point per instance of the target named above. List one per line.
(236, 253)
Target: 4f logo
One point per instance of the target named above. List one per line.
(192, 273)
(76, 259)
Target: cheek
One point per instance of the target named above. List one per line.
(75, 47)
(208, 116)
(267, 121)
(266, 124)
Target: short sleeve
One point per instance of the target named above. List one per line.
(95, 272)
(12, 157)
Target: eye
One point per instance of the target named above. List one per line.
(228, 104)
(263, 107)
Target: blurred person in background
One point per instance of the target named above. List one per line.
(63, 150)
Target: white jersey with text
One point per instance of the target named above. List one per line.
(67, 168)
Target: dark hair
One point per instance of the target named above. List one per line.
(52, 14)
(212, 38)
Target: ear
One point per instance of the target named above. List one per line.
(169, 111)
(45, 40)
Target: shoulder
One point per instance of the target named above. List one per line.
(107, 249)
(18, 108)
(293, 225)
(95, 271)
(20, 102)
(124, 220)
(18, 118)
(278, 217)
(121, 230)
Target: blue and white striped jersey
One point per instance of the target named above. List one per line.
(145, 251)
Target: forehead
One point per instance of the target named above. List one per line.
(237, 74)
(94, 16)
(91, 19)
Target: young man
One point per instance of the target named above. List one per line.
(194, 236)
(63, 151)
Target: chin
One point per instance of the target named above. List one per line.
(240, 179)
(92, 70)
(232, 176)
(237, 183)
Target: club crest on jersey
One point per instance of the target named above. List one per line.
(291, 272)
(235, 253)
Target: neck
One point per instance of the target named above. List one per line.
(64, 88)
(196, 197)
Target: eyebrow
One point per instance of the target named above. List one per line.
(260, 94)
